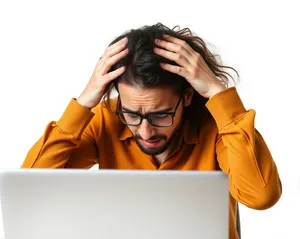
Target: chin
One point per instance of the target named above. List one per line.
(153, 150)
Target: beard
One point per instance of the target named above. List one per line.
(160, 149)
(153, 151)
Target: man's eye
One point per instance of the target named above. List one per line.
(161, 116)
(132, 115)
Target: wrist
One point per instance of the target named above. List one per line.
(217, 88)
(82, 103)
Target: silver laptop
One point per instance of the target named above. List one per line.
(114, 204)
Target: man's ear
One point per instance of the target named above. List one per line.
(188, 96)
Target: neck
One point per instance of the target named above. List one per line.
(161, 158)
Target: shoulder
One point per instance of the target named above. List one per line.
(105, 120)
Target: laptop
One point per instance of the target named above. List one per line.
(114, 204)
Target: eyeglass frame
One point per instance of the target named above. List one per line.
(146, 116)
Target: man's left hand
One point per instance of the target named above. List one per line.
(192, 66)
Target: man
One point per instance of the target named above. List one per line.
(174, 111)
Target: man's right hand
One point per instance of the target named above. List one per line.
(93, 92)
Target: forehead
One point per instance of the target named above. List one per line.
(140, 99)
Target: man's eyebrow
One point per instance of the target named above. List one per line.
(158, 111)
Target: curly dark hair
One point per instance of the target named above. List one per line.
(143, 69)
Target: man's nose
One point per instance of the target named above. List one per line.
(146, 130)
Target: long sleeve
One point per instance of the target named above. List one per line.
(242, 152)
(65, 143)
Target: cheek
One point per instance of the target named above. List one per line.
(168, 132)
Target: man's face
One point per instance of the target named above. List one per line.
(152, 140)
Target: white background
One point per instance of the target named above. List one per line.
(48, 50)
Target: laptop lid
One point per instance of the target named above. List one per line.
(114, 204)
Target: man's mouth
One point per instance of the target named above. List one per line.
(151, 143)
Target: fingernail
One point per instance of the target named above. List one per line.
(125, 39)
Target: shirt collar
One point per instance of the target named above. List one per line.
(125, 133)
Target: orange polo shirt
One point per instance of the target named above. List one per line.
(227, 140)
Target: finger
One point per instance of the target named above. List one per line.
(179, 42)
(114, 74)
(116, 48)
(108, 63)
(179, 59)
(173, 47)
(175, 69)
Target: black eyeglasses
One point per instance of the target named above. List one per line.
(157, 119)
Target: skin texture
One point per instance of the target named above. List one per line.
(152, 100)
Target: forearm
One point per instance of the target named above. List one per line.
(53, 149)
(254, 179)
(243, 154)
